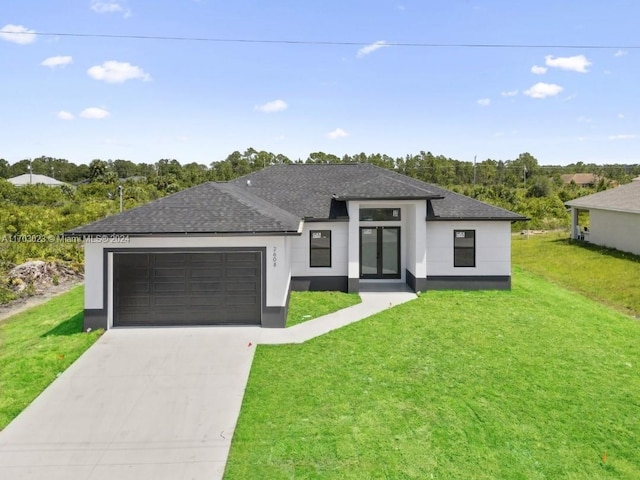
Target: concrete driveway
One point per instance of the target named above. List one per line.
(154, 403)
(140, 404)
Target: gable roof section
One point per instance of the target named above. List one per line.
(625, 198)
(209, 208)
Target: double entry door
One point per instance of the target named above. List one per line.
(379, 252)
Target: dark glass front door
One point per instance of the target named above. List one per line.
(379, 252)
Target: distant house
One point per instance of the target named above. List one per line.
(614, 217)
(580, 179)
(33, 178)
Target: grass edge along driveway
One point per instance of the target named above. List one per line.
(538, 382)
(38, 345)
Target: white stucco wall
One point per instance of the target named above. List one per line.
(339, 250)
(619, 230)
(278, 276)
(493, 248)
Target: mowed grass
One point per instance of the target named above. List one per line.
(535, 383)
(304, 306)
(609, 276)
(36, 346)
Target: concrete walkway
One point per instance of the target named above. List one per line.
(154, 403)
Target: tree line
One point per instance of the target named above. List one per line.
(92, 191)
(170, 174)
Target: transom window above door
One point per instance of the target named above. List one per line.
(380, 215)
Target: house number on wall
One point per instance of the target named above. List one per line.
(275, 256)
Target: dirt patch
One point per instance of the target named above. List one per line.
(37, 282)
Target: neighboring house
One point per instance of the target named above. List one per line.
(230, 253)
(33, 178)
(580, 179)
(614, 217)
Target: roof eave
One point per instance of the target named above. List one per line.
(116, 235)
(608, 209)
(477, 219)
(377, 199)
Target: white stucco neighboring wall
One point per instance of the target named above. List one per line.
(612, 229)
(339, 250)
(493, 248)
(277, 275)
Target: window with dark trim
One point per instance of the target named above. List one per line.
(380, 214)
(320, 248)
(464, 248)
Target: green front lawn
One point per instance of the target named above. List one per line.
(535, 383)
(609, 276)
(304, 306)
(36, 346)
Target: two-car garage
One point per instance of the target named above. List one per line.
(180, 288)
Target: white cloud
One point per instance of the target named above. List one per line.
(623, 137)
(583, 119)
(620, 53)
(484, 102)
(543, 90)
(273, 106)
(621, 115)
(64, 115)
(538, 70)
(94, 113)
(510, 93)
(371, 48)
(17, 34)
(59, 61)
(337, 133)
(99, 6)
(118, 72)
(577, 63)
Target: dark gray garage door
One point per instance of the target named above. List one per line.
(191, 288)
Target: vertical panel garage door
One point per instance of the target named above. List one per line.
(191, 288)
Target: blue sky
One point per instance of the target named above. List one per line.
(80, 98)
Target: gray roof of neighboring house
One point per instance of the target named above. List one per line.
(33, 178)
(211, 208)
(625, 198)
(276, 199)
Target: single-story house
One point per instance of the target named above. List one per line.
(614, 217)
(34, 178)
(230, 253)
(580, 179)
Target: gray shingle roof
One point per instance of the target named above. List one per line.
(207, 208)
(625, 198)
(275, 199)
(454, 206)
(307, 189)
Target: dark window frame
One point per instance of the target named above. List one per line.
(380, 214)
(463, 260)
(312, 247)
